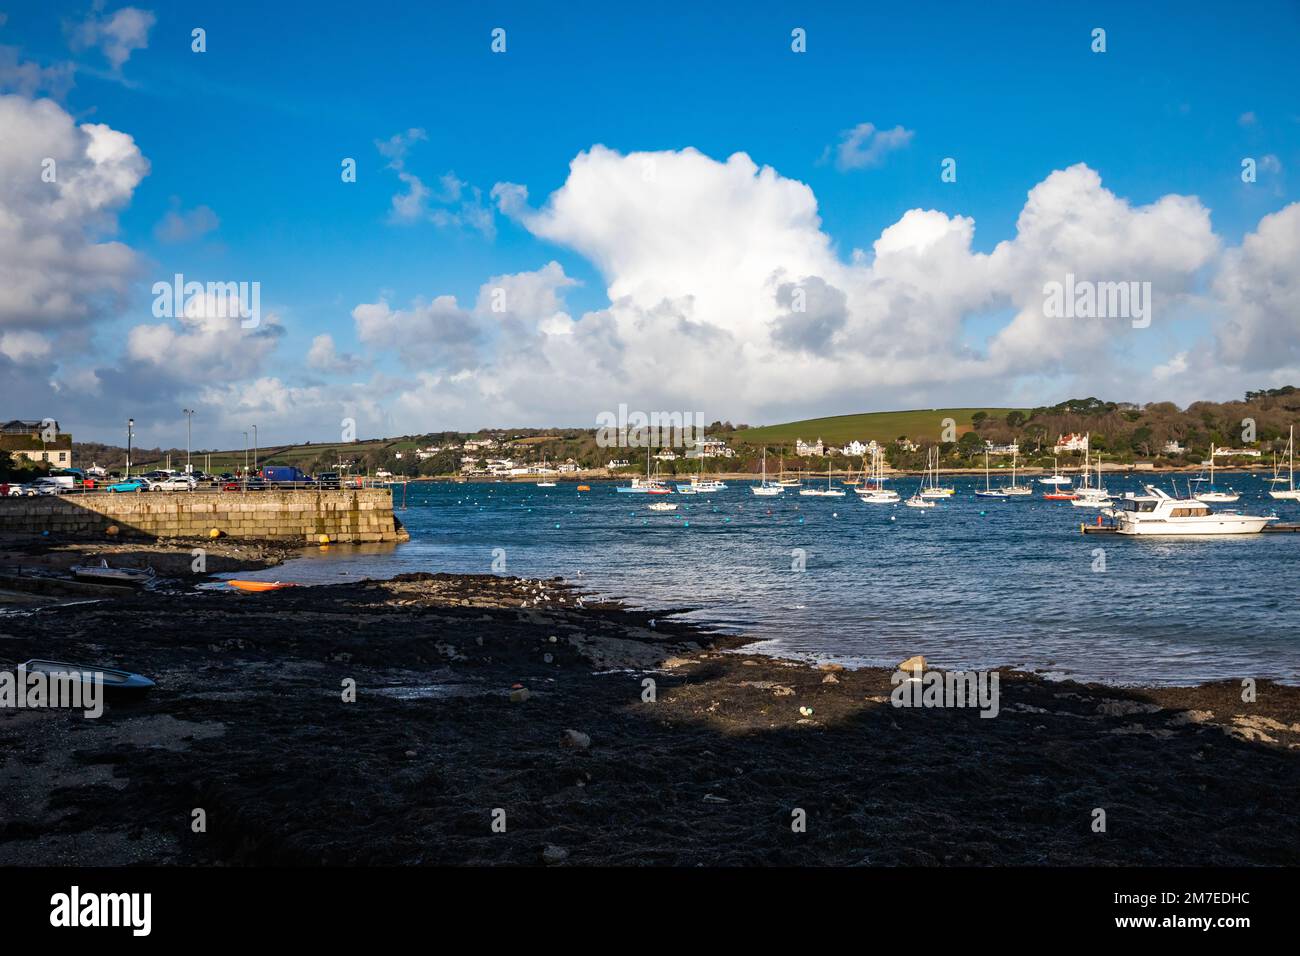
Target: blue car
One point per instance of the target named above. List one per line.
(130, 484)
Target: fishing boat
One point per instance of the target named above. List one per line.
(662, 506)
(1156, 513)
(828, 492)
(545, 484)
(989, 491)
(647, 485)
(766, 488)
(110, 677)
(930, 487)
(110, 575)
(1210, 496)
(873, 491)
(1290, 492)
(260, 586)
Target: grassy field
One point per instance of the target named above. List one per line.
(881, 426)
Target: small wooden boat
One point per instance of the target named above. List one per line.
(258, 586)
(584, 487)
(111, 575)
(111, 677)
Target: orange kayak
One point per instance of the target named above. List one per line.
(259, 585)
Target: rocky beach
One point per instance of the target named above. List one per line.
(475, 719)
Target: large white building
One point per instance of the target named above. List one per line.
(1070, 442)
(803, 449)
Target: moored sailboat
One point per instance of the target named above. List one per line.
(766, 488)
(829, 492)
(647, 485)
(1210, 496)
(873, 490)
(989, 491)
(1289, 493)
(930, 487)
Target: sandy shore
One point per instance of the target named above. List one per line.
(248, 724)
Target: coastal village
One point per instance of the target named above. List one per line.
(1247, 434)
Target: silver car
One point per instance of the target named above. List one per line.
(174, 483)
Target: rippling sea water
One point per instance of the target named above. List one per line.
(971, 583)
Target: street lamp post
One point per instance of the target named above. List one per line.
(254, 427)
(189, 421)
(245, 456)
(130, 431)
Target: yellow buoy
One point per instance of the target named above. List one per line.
(111, 530)
(214, 533)
(323, 539)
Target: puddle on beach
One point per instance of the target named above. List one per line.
(438, 691)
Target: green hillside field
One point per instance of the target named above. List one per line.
(916, 424)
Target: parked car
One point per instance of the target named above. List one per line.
(174, 483)
(129, 485)
(328, 479)
(253, 484)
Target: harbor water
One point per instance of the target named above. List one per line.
(971, 583)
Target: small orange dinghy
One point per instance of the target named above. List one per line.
(260, 585)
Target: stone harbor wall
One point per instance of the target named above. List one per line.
(348, 515)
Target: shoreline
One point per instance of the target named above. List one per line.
(602, 476)
(247, 722)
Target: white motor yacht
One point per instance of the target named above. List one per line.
(1156, 513)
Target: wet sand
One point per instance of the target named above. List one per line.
(248, 723)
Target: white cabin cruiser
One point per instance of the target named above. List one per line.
(702, 486)
(1156, 513)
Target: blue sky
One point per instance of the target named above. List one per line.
(255, 128)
